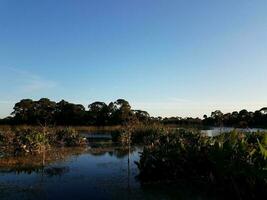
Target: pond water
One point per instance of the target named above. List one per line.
(99, 171)
(214, 131)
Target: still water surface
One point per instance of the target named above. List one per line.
(101, 171)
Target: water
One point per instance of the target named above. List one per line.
(99, 171)
(219, 130)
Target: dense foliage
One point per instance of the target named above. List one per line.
(46, 111)
(236, 161)
(241, 119)
(34, 140)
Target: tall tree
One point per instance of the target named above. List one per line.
(24, 111)
(98, 113)
(122, 112)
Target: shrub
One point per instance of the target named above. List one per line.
(68, 137)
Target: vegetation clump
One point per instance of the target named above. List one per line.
(236, 160)
(67, 137)
(34, 140)
(137, 133)
(120, 112)
(45, 111)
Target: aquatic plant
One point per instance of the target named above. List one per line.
(263, 146)
(232, 159)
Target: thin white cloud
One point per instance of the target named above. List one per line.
(37, 85)
(30, 82)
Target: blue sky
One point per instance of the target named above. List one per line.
(169, 57)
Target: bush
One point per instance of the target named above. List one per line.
(68, 137)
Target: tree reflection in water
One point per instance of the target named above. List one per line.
(40, 163)
(35, 176)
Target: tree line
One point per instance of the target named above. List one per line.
(45, 111)
(119, 112)
(241, 119)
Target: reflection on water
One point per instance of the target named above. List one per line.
(35, 163)
(99, 171)
(96, 172)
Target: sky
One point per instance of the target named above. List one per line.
(169, 57)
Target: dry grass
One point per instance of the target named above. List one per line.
(77, 128)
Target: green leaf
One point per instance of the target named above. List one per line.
(263, 150)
